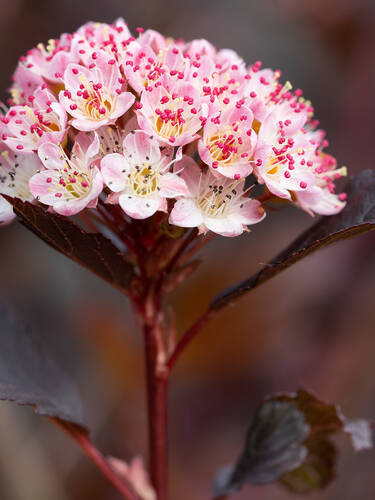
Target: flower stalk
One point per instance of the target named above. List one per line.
(157, 392)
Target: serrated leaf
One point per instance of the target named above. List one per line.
(324, 419)
(358, 217)
(93, 251)
(30, 375)
(290, 441)
(273, 447)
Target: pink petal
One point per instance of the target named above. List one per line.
(114, 168)
(190, 172)
(50, 155)
(123, 103)
(172, 185)
(140, 147)
(185, 213)
(226, 226)
(250, 212)
(43, 186)
(139, 207)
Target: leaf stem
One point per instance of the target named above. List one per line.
(98, 459)
(188, 337)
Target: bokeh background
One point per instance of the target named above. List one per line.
(313, 326)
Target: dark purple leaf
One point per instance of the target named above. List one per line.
(316, 471)
(93, 251)
(30, 375)
(289, 441)
(273, 447)
(358, 217)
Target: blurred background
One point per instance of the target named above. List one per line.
(313, 326)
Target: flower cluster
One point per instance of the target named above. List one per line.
(154, 124)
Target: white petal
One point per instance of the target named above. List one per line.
(139, 207)
(114, 168)
(185, 213)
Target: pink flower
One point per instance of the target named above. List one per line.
(91, 38)
(265, 95)
(140, 177)
(153, 39)
(220, 89)
(173, 115)
(25, 83)
(321, 197)
(261, 84)
(215, 204)
(227, 58)
(68, 185)
(145, 67)
(15, 173)
(30, 125)
(50, 61)
(95, 97)
(198, 48)
(284, 164)
(228, 142)
(105, 35)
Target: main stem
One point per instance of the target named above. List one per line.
(157, 398)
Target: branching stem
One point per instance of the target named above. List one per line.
(99, 460)
(188, 337)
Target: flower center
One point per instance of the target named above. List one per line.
(74, 179)
(111, 139)
(216, 199)
(94, 101)
(223, 148)
(144, 180)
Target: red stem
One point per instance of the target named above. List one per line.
(157, 389)
(188, 337)
(157, 398)
(99, 460)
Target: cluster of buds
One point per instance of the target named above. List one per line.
(153, 124)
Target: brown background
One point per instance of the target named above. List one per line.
(312, 326)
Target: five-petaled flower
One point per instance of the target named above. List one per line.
(140, 177)
(215, 204)
(69, 184)
(95, 96)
